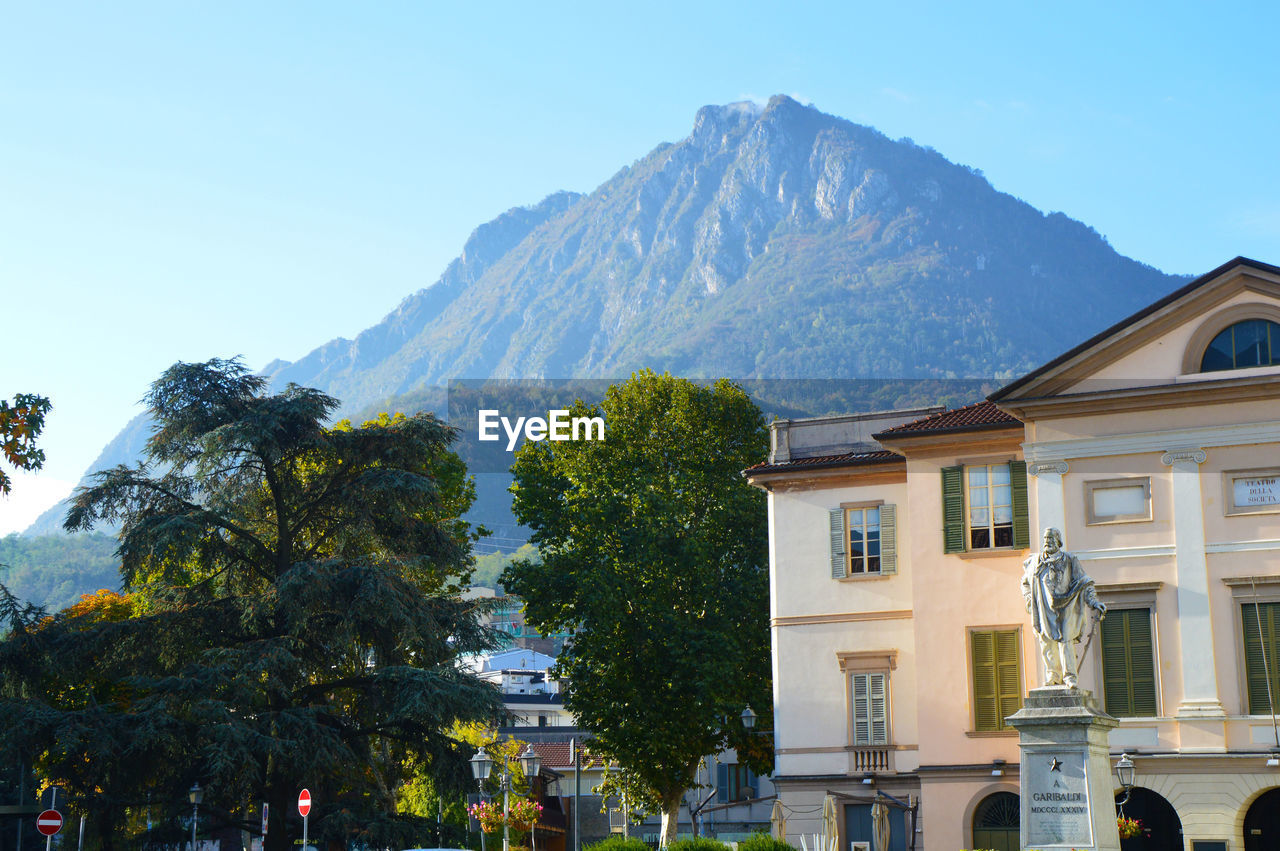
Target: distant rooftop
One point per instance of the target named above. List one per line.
(976, 417)
(829, 437)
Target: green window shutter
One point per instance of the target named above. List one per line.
(985, 708)
(997, 678)
(888, 539)
(953, 509)
(1256, 664)
(861, 709)
(1008, 675)
(1128, 663)
(870, 709)
(1021, 514)
(722, 783)
(838, 567)
(879, 704)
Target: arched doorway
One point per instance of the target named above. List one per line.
(996, 821)
(1162, 829)
(1262, 823)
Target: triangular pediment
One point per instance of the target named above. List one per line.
(1161, 346)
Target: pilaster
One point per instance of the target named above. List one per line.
(1050, 503)
(1200, 686)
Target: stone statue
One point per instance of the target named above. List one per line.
(1058, 594)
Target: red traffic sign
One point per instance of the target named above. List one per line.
(49, 822)
(304, 803)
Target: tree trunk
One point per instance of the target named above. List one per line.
(278, 835)
(670, 817)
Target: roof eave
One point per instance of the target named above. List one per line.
(1236, 263)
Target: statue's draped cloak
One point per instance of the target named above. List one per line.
(1057, 599)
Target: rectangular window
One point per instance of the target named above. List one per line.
(870, 709)
(997, 678)
(990, 502)
(984, 506)
(1261, 624)
(863, 527)
(864, 540)
(1128, 663)
(735, 782)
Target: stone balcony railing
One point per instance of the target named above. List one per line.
(875, 758)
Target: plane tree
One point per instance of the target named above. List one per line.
(653, 555)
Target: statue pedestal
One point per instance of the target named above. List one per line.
(1067, 792)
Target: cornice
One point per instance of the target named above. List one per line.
(1145, 398)
(1172, 440)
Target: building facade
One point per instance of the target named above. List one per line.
(901, 642)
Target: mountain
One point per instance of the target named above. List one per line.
(772, 242)
(777, 242)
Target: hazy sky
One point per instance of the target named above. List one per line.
(180, 181)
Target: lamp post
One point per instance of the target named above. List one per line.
(195, 795)
(1124, 773)
(482, 766)
(529, 764)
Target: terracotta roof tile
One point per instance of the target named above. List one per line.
(559, 754)
(847, 459)
(975, 417)
(553, 754)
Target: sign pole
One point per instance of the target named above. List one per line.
(304, 810)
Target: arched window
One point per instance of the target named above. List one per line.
(1253, 342)
(996, 821)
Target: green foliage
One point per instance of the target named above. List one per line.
(698, 843)
(20, 425)
(763, 842)
(53, 571)
(617, 843)
(293, 620)
(654, 557)
(489, 568)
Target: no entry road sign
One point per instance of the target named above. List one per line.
(49, 822)
(304, 803)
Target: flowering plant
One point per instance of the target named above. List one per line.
(1128, 827)
(523, 814)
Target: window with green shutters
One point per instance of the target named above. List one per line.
(870, 709)
(1128, 663)
(984, 506)
(997, 677)
(1261, 623)
(864, 540)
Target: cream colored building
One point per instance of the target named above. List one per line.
(900, 638)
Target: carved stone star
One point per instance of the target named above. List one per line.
(1055, 765)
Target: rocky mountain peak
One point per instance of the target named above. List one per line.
(773, 241)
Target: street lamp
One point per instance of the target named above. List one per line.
(748, 719)
(480, 767)
(195, 795)
(1124, 773)
(530, 762)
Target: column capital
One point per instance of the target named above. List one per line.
(1174, 456)
(1059, 467)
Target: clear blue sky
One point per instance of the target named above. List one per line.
(186, 180)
